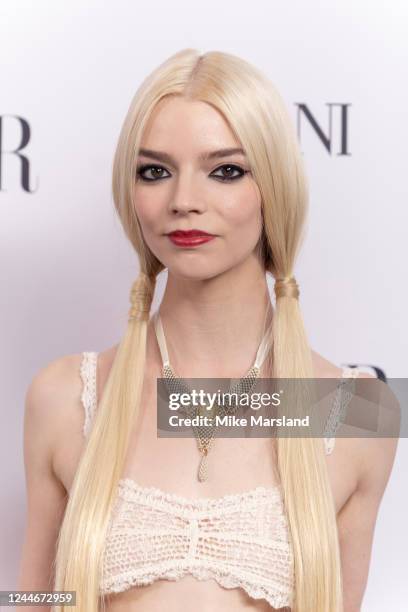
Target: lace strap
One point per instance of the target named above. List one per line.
(88, 372)
(341, 401)
(264, 347)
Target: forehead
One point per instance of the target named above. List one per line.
(177, 123)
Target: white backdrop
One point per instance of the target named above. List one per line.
(70, 69)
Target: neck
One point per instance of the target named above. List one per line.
(213, 327)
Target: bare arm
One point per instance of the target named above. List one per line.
(46, 497)
(356, 520)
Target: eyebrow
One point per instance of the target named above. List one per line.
(165, 157)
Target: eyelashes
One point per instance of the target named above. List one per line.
(140, 173)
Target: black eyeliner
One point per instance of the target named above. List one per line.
(140, 169)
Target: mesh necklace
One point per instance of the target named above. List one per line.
(205, 433)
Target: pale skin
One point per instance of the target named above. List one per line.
(219, 277)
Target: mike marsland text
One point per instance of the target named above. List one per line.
(233, 421)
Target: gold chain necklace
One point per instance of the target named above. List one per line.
(205, 433)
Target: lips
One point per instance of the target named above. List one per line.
(188, 233)
(190, 238)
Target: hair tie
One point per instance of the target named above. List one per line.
(141, 296)
(286, 287)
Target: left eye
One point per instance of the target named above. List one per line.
(228, 170)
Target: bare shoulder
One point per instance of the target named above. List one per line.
(51, 400)
(374, 455)
(55, 416)
(51, 388)
(53, 397)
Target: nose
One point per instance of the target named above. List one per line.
(187, 196)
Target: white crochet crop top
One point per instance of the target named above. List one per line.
(239, 540)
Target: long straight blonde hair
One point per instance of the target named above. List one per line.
(258, 117)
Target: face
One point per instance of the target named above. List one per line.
(179, 186)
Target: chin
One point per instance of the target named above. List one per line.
(194, 271)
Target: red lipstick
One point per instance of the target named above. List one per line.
(190, 238)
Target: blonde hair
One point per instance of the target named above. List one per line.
(258, 117)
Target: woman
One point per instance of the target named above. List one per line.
(207, 145)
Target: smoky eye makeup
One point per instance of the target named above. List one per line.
(228, 168)
(156, 171)
(227, 172)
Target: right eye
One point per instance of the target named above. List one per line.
(156, 173)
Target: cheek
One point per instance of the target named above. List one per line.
(146, 209)
(243, 213)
